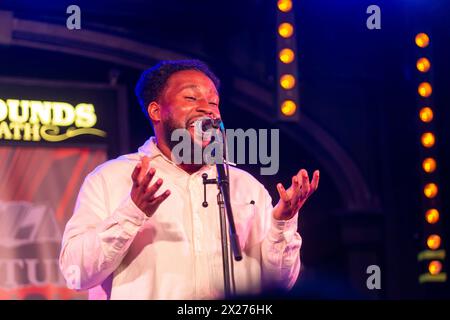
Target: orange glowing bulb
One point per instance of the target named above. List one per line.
(286, 55)
(434, 241)
(432, 216)
(422, 40)
(287, 81)
(423, 64)
(429, 165)
(426, 114)
(286, 30)
(435, 267)
(430, 190)
(288, 108)
(284, 5)
(428, 139)
(425, 89)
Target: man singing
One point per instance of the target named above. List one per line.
(139, 230)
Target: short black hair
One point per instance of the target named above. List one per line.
(153, 80)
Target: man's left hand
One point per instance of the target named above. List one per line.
(292, 199)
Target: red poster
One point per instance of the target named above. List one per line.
(38, 190)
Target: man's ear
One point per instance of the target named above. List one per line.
(154, 111)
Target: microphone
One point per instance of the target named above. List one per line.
(223, 182)
(206, 123)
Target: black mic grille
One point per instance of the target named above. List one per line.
(209, 123)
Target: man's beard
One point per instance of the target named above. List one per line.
(169, 125)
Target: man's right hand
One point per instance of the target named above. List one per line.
(143, 194)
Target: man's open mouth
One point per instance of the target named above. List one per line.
(193, 121)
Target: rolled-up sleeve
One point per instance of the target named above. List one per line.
(96, 240)
(280, 249)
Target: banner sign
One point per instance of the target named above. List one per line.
(31, 120)
(51, 137)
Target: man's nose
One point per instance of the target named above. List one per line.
(207, 109)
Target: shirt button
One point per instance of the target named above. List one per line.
(288, 235)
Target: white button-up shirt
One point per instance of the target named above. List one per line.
(120, 253)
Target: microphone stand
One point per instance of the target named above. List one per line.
(225, 211)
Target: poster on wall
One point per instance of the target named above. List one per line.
(51, 137)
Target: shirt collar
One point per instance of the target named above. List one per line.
(151, 150)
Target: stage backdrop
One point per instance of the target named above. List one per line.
(51, 136)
